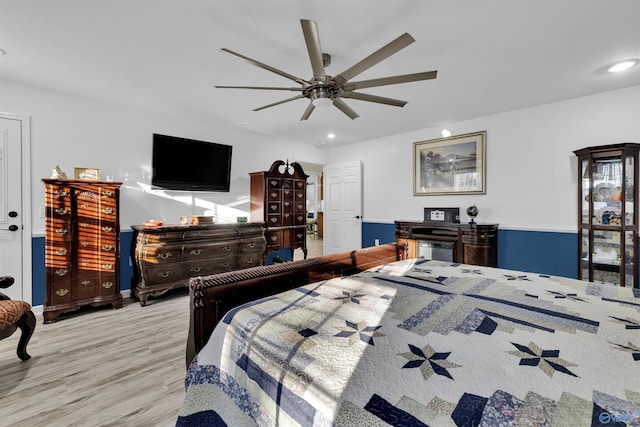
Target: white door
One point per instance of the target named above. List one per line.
(11, 214)
(342, 207)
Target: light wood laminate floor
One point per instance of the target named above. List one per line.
(100, 367)
(103, 367)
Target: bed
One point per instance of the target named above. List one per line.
(371, 338)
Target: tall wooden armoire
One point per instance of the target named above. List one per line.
(279, 198)
(82, 245)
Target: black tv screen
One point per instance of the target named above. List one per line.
(189, 164)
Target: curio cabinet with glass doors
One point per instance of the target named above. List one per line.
(608, 214)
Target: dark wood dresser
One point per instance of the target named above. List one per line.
(166, 257)
(279, 198)
(475, 244)
(82, 245)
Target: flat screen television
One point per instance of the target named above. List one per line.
(190, 165)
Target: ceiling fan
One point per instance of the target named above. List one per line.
(323, 89)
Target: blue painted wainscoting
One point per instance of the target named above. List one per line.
(533, 251)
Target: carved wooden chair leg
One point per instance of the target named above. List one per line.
(27, 325)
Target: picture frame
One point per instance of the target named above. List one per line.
(89, 174)
(452, 165)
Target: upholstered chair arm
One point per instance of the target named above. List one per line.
(6, 281)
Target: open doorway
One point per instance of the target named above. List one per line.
(314, 210)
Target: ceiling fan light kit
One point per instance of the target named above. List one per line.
(323, 90)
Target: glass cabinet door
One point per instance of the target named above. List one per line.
(607, 222)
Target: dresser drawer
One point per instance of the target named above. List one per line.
(222, 233)
(274, 183)
(252, 245)
(159, 254)
(86, 287)
(247, 260)
(274, 195)
(209, 266)
(57, 254)
(167, 236)
(58, 230)
(163, 273)
(210, 250)
(274, 220)
(107, 284)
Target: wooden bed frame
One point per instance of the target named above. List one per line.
(212, 296)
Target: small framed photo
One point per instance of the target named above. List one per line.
(453, 165)
(90, 174)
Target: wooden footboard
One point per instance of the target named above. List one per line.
(212, 296)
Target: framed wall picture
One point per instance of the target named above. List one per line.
(453, 165)
(90, 174)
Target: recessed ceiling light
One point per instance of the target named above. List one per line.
(446, 133)
(331, 135)
(623, 65)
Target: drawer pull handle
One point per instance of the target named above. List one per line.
(196, 252)
(62, 193)
(299, 235)
(300, 218)
(84, 224)
(84, 263)
(84, 205)
(107, 193)
(61, 211)
(165, 255)
(107, 229)
(61, 271)
(287, 204)
(274, 195)
(286, 192)
(61, 252)
(274, 238)
(195, 269)
(84, 244)
(62, 231)
(86, 282)
(274, 182)
(251, 245)
(107, 285)
(107, 248)
(249, 261)
(224, 265)
(274, 207)
(227, 249)
(107, 211)
(62, 292)
(164, 274)
(107, 266)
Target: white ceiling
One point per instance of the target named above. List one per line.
(492, 56)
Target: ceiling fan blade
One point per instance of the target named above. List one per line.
(373, 98)
(405, 78)
(308, 111)
(345, 108)
(279, 102)
(260, 88)
(266, 67)
(312, 39)
(376, 57)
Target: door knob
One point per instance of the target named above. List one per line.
(13, 214)
(13, 227)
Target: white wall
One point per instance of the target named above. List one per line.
(531, 170)
(76, 132)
